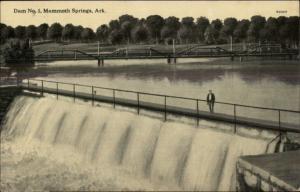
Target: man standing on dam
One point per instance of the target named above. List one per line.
(211, 100)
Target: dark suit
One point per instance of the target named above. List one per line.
(211, 101)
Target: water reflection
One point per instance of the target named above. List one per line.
(201, 72)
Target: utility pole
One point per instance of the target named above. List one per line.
(174, 47)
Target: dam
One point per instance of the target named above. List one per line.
(75, 137)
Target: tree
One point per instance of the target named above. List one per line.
(257, 24)
(240, 32)
(228, 28)
(173, 23)
(270, 31)
(289, 31)
(20, 32)
(281, 20)
(55, 31)
(167, 33)
(124, 18)
(126, 28)
(212, 32)
(42, 30)
(127, 23)
(293, 27)
(87, 34)
(202, 23)
(77, 32)
(185, 34)
(2, 28)
(102, 33)
(31, 32)
(18, 54)
(7, 32)
(140, 34)
(68, 32)
(154, 24)
(187, 31)
(114, 25)
(116, 36)
(169, 30)
(211, 35)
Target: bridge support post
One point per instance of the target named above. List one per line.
(42, 88)
(171, 60)
(197, 112)
(100, 62)
(165, 108)
(114, 98)
(138, 102)
(93, 96)
(241, 59)
(74, 93)
(234, 113)
(56, 90)
(75, 55)
(232, 58)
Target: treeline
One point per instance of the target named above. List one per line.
(155, 29)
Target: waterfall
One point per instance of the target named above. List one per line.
(175, 155)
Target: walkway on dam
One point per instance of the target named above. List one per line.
(165, 107)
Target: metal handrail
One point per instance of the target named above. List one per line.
(164, 109)
(169, 96)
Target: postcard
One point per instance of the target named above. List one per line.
(149, 95)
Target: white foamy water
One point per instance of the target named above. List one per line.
(50, 144)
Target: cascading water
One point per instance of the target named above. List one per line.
(49, 144)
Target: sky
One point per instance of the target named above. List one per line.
(140, 9)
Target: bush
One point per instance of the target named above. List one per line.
(18, 53)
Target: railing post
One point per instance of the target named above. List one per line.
(56, 90)
(93, 96)
(165, 107)
(28, 83)
(279, 119)
(42, 88)
(138, 102)
(234, 110)
(197, 112)
(114, 98)
(74, 92)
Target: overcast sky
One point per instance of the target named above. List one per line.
(141, 9)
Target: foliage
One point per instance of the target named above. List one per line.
(154, 28)
(55, 31)
(18, 54)
(140, 34)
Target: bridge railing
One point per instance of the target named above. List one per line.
(278, 118)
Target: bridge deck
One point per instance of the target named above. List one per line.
(57, 57)
(264, 124)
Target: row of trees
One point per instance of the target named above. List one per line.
(128, 29)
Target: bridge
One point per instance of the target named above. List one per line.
(196, 51)
(196, 108)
